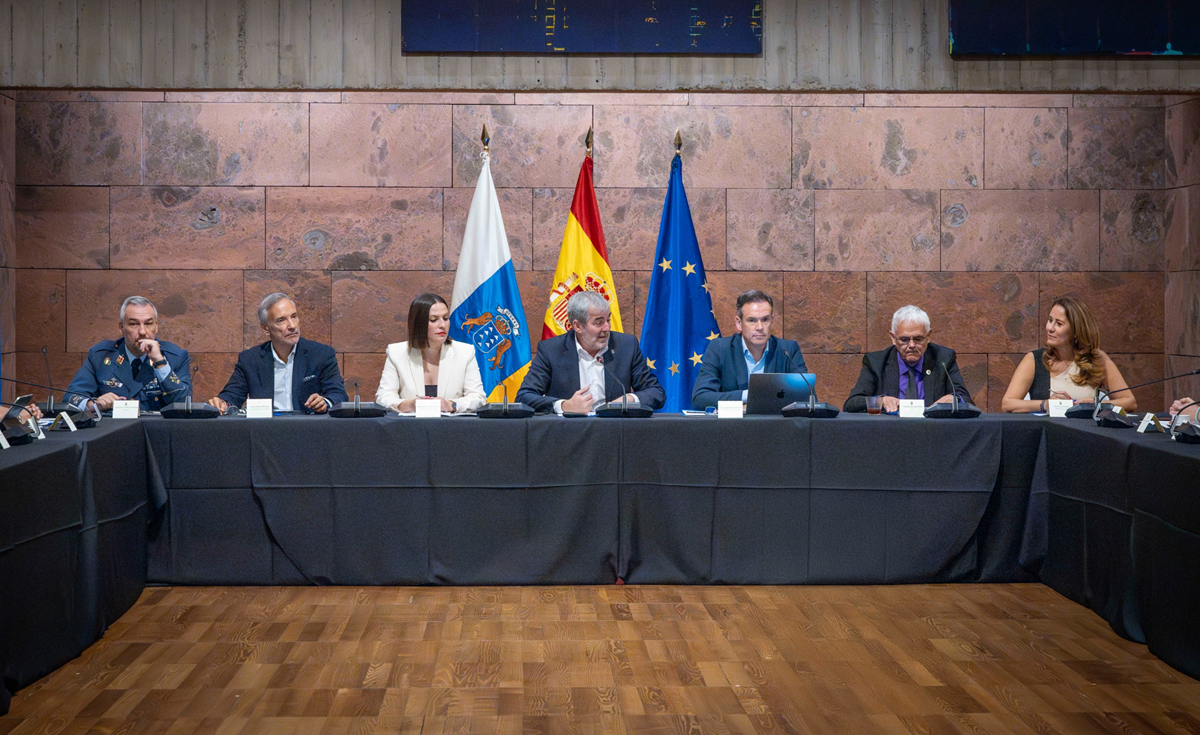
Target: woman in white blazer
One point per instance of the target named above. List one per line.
(430, 363)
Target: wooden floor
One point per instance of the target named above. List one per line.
(900, 659)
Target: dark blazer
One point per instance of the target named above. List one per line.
(314, 371)
(723, 375)
(880, 376)
(554, 372)
(108, 369)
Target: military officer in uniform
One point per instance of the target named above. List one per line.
(136, 366)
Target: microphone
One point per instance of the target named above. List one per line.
(813, 409)
(79, 416)
(357, 410)
(185, 409)
(964, 411)
(1108, 417)
(505, 410)
(50, 380)
(1186, 432)
(607, 410)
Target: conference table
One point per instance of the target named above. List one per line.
(1107, 517)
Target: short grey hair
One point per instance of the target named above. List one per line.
(910, 313)
(582, 304)
(268, 302)
(138, 301)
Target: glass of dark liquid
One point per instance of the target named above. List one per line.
(874, 405)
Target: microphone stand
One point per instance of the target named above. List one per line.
(185, 409)
(1110, 418)
(606, 409)
(356, 409)
(959, 409)
(1185, 432)
(813, 409)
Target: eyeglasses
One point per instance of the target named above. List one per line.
(918, 341)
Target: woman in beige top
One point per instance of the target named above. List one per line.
(1071, 367)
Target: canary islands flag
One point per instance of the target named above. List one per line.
(583, 259)
(679, 320)
(487, 310)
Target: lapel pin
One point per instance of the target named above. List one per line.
(928, 371)
(108, 361)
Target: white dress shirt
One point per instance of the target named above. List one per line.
(591, 376)
(283, 380)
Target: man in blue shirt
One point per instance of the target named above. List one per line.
(913, 367)
(729, 362)
(136, 366)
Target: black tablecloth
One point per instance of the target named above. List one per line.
(551, 500)
(1125, 541)
(73, 514)
(1108, 517)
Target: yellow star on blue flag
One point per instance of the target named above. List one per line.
(679, 320)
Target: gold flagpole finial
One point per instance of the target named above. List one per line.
(678, 141)
(485, 138)
(588, 142)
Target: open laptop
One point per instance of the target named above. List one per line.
(770, 392)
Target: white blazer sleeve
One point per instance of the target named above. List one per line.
(473, 396)
(388, 393)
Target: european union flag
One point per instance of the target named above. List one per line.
(679, 318)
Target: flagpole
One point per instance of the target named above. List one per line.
(485, 138)
(678, 141)
(587, 143)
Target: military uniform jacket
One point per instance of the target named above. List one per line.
(108, 369)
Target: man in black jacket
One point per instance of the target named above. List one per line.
(913, 367)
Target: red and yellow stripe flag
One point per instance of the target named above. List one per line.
(583, 260)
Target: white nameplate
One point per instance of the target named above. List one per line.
(429, 408)
(260, 408)
(1150, 422)
(37, 426)
(123, 409)
(1057, 407)
(912, 408)
(3, 441)
(730, 409)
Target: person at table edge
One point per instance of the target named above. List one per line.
(137, 366)
(430, 363)
(1070, 367)
(570, 372)
(1186, 406)
(729, 361)
(913, 367)
(297, 373)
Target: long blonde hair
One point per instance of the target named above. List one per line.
(1085, 337)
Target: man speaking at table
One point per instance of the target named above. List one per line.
(136, 366)
(299, 374)
(913, 367)
(580, 369)
(728, 362)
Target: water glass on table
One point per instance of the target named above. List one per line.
(874, 405)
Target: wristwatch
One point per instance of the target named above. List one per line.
(160, 363)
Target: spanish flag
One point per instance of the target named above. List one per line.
(583, 260)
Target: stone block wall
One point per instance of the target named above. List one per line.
(980, 208)
(8, 245)
(1182, 257)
